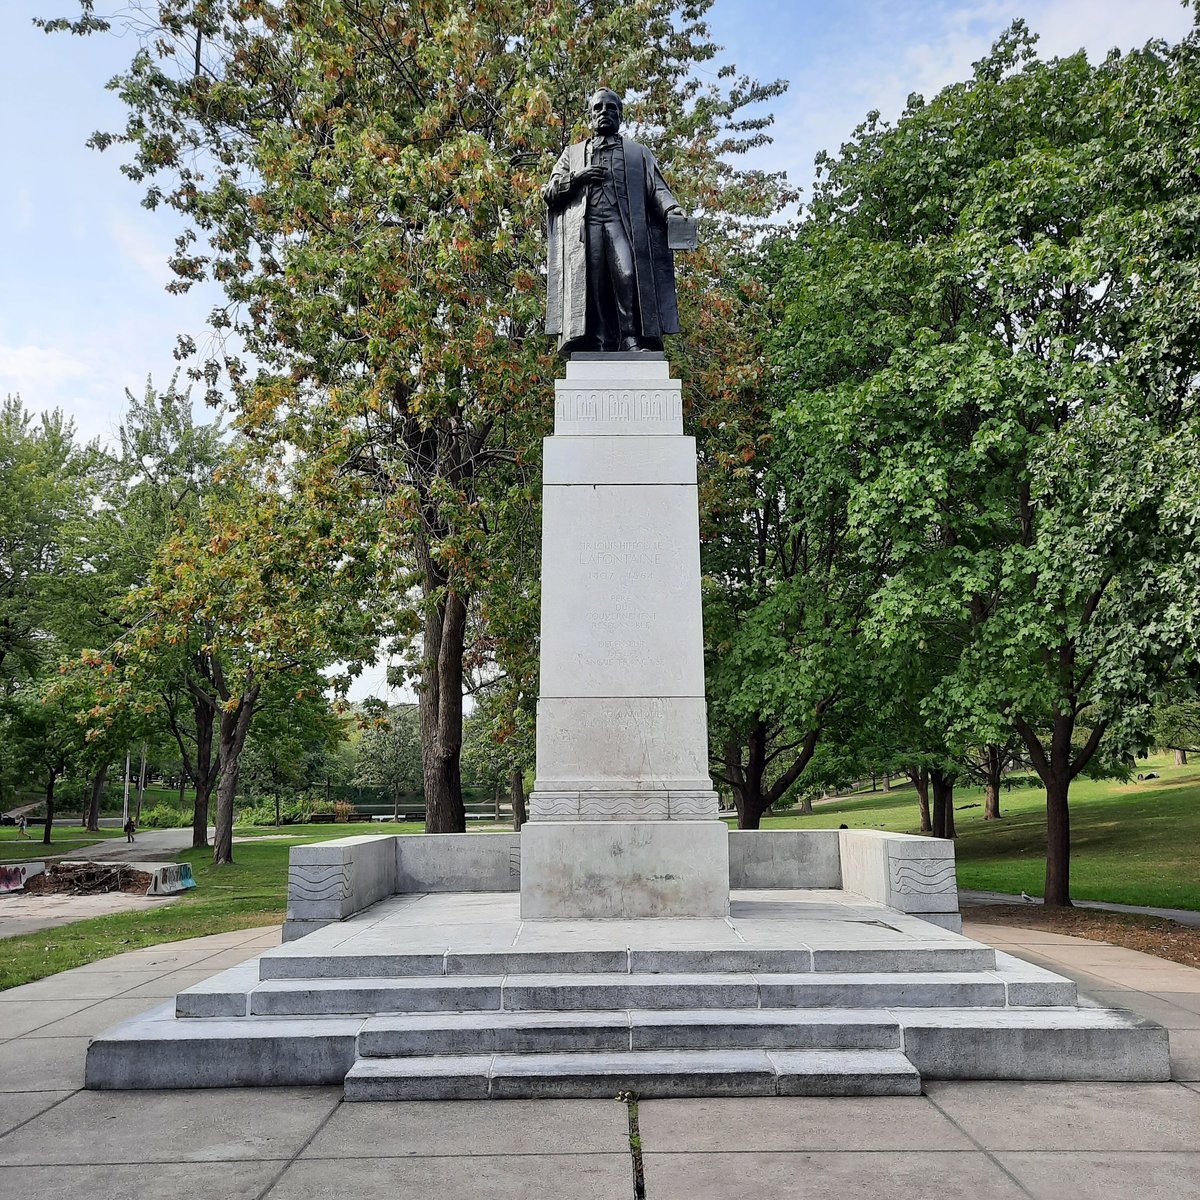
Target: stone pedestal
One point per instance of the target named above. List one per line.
(621, 731)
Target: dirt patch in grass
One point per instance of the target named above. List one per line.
(1150, 935)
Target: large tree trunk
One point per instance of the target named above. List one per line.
(233, 728)
(203, 776)
(920, 781)
(440, 706)
(993, 767)
(49, 807)
(1181, 758)
(517, 791)
(943, 803)
(1058, 842)
(97, 790)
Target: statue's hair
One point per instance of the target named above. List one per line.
(607, 91)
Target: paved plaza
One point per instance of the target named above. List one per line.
(1076, 1141)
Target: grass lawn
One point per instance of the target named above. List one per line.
(63, 839)
(1131, 843)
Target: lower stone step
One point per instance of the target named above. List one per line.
(433, 1034)
(663, 1073)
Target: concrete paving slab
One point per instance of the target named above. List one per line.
(79, 984)
(42, 1064)
(473, 1127)
(1158, 1008)
(496, 1177)
(837, 1176)
(180, 1126)
(1072, 1116)
(20, 913)
(169, 985)
(96, 1018)
(139, 1182)
(18, 1017)
(18, 1107)
(1186, 1000)
(1074, 1176)
(797, 1123)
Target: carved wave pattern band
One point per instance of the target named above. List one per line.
(621, 804)
(633, 404)
(319, 882)
(543, 805)
(927, 877)
(693, 805)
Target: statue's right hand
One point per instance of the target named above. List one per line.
(587, 176)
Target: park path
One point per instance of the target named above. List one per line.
(1182, 916)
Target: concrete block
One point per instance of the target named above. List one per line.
(923, 958)
(315, 997)
(784, 858)
(224, 995)
(898, 989)
(1029, 985)
(157, 1051)
(584, 460)
(763, 1029)
(293, 931)
(453, 1078)
(492, 1033)
(458, 862)
(621, 592)
(905, 872)
(571, 992)
(624, 869)
(668, 1073)
(328, 881)
(638, 744)
(1031, 1043)
(13, 875)
(613, 397)
(280, 964)
(844, 1073)
(720, 960)
(538, 962)
(950, 921)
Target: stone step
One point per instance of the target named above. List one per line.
(662, 1073)
(1084, 1043)
(293, 962)
(610, 992)
(440, 1034)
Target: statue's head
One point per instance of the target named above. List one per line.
(605, 109)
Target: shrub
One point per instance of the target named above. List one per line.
(164, 816)
(343, 811)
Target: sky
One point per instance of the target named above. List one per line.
(84, 314)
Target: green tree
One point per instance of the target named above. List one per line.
(991, 312)
(365, 177)
(389, 752)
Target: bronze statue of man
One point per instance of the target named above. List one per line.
(611, 277)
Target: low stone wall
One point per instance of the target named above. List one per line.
(912, 874)
(784, 858)
(458, 862)
(329, 881)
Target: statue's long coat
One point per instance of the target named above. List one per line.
(644, 203)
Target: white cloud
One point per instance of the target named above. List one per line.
(143, 245)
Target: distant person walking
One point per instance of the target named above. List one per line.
(129, 828)
(22, 826)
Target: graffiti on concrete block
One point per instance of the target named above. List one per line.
(171, 878)
(12, 878)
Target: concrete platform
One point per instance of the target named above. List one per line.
(986, 1140)
(454, 996)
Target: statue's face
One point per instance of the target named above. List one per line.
(606, 112)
